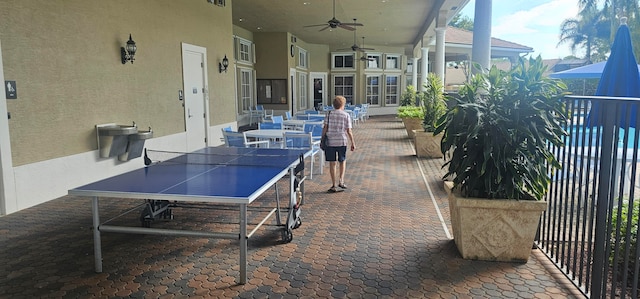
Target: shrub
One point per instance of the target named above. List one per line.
(627, 221)
(410, 112)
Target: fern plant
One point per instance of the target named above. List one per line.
(498, 131)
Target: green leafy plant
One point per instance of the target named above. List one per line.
(433, 101)
(409, 96)
(498, 132)
(627, 220)
(410, 112)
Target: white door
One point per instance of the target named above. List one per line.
(196, 95)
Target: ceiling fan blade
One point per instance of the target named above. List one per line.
(343, 26)
(325, 28)
(318, 25)
(352, 24)
(370, 49)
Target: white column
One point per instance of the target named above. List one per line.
(481, 51)
(424, 68)
(414, 72)
(440, 51)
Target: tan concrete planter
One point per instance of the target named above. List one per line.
(411, 124)
(494, 230)
(427, 145)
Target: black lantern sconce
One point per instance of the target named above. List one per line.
(129, 51)
(224, 64)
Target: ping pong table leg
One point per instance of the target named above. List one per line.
(243, 244)
(97, 244)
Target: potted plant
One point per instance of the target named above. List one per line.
(411, 115)
(498, 135)
(432, 99)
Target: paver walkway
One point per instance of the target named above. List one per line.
(382, 238)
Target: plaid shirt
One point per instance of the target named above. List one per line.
(338, 121)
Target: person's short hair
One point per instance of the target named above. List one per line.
(339, 102)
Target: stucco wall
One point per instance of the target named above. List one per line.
(65, 58)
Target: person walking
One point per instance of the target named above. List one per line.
(337, 127)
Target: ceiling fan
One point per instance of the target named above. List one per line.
(355, 46)
(364, 56)
(334, 23)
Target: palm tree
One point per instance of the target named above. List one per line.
(612, 11)
(585, 31)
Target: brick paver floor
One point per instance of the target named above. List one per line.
(384, 237)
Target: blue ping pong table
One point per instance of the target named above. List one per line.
(229, 175)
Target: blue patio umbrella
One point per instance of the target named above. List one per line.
(620, 78)
(589, 71)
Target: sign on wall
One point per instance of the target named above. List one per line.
(11, 91)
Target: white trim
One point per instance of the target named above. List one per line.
(8, 198)
(312, 77)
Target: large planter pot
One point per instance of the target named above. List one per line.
(494, 230)
(427, 145)
(411, 124)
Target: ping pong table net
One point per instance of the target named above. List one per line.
(159, 157)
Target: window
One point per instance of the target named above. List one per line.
(272, 91)
(302, 90)
(393, 62)
(392, 88)
(302, 58)
(343, 61)
(410, 66)
(373, 61)
(246, 88)
(243, 50)
(373, 90)
(343, 86)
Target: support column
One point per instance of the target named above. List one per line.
(414, 72)
(440, 51)
(481, 51)
(424, 70)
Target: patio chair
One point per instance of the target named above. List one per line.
(356, 115)
(225, 129)
(363, 112)
(278, 119)
(267, 115)
(239, 139)
(301, 140)
(255, 114)
(315, 128)
(288, 115)
(270, 126)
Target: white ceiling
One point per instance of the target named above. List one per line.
(393, 23)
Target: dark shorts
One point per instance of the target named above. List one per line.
(333, 152)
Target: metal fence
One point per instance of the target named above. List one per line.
(590, 227)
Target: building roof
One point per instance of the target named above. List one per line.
(464, 37)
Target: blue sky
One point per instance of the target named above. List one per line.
(533, 23)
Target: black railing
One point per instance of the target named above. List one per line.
(590, 227)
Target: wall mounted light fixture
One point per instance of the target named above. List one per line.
(224, 64)
(129, 51)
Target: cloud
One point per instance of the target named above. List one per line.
(537, 27)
